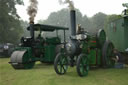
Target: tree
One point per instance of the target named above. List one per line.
(98, 21)
(62, 18)
(10, 28)
(24, 25)
(86, 23)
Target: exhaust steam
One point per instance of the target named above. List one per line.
(71, 4)
(32, 10)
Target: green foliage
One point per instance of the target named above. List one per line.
(10, 28)
(62, 18)
(113, 17)
(24, 25)
(86, 22)
(98, 21)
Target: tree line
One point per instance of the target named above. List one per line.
(12, 27)
(90, 24)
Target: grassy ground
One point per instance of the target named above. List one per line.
(44, 74)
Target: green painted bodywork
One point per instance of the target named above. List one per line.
(50, 53)
(53, 40)
(95, 57)
(92, 42)
(117, 32)
(48, 50)
(90, 49)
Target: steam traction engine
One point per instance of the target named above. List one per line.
(36, 48)
(84, 51)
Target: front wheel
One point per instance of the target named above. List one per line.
(61, 64)
(82, 65)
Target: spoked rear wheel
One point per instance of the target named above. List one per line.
(61, 64)
(82, 65)
(108, 55)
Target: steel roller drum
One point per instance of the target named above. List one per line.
(20, 60)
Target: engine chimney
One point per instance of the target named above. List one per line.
(31, 30)
(73, 22)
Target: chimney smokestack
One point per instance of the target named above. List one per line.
(73, 22)
(32, 30)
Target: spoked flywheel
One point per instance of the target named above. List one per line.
(82, 66)
(108, 55)
(61, 64)
(21, 60)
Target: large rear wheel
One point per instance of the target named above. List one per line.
(61, 64)
(82, 65)
(108, 55)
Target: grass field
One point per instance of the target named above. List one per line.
(44, 74)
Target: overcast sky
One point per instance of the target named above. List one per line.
(87, 7)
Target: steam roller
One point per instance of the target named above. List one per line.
(32, 49)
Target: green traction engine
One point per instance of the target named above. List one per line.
(84, 50)
(36, 48)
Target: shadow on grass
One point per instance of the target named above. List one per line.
(43, 65)
(72, 72)
(4, 57)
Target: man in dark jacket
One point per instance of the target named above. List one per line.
(119, 59)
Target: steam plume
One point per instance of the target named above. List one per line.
(71, 4)
(32, 10)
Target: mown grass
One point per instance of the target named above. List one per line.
(44, 74)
